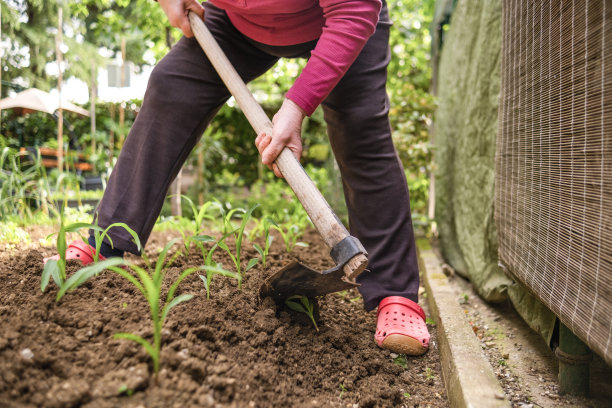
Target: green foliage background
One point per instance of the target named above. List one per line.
(226, 154)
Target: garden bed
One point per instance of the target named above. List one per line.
(229, 350)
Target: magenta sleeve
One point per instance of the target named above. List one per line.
(348, 25)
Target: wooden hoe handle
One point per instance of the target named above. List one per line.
(323, 217)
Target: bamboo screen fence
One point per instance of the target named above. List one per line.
(553, 193)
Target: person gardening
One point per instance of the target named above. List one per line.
(346, 43)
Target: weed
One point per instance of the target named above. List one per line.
(401, 360)
(149, 285)
(342, 390)
(304, 306)
(502, 362)
(407, 395)
(429, 321)
(124, 390)
(463, 299)
(429, 374)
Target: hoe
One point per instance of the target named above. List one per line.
(346, 251)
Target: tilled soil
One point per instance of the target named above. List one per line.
(232, 350)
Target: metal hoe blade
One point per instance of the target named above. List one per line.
(298, 279)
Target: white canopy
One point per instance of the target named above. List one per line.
(36, 99)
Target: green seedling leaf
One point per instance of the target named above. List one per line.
(50, 268)
(128, 229)
(159, 265)
(178, 281)
(56, 275)
(259, 250)
(145, 344)
(80, 225)
(177, 300)
(84, 274)
(295, 306)
(211, 271)
(243, 224)
(251, 264)
(124, 390)
(203, 238)
(129, 277)
(206, 285)
(305, 307)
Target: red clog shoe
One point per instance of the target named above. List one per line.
(401, 327)
(79, 250)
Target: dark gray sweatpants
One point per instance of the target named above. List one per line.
(185, 92)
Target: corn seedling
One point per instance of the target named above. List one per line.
(199, 215)
(225, 216)
(211, 271)
(238, 235)
(212, 268)
(100, 234)
(149, 285)
(290, 234)
(57, 268)
(263, 252)
(304, 305)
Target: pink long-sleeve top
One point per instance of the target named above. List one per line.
(342, 27)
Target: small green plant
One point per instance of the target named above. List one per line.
(211, 271)
(502, 362)
(290, 233)
(304, 305)
(211, 267)
(238, 236)
(342, 390)
(124, 390)
(100, 234)
(401, 360)
(224, 220)
(429, 321)
(199, 215)
(406, 395)
(149, 285)
(263, 252)
(429, 374)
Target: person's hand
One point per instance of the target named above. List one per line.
(177, 12)
(286, 132)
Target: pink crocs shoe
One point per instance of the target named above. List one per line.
(401, 327)
(79, 250)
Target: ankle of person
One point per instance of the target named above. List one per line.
(106, 250)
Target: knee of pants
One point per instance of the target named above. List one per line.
(162, 86)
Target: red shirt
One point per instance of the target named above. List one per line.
(342, 27)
